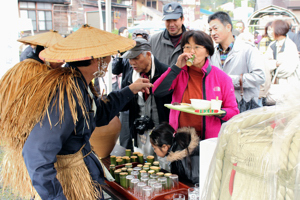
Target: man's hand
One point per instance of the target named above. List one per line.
(141, 84)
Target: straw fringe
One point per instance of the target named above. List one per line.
(16, 77)
(25, 100)
(75, 177)
(15, 176)
(13, 170)
(30, 105)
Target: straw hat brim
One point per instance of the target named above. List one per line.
(44, 39)
(86, 43)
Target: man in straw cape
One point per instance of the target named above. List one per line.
(13, 170)
(59, 112)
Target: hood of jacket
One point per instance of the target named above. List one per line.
(180, 154)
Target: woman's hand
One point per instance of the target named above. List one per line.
(181, 60)
(141, 84)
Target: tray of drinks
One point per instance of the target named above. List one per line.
(163, 195)
(144, 181)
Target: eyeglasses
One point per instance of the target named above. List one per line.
(196, 48)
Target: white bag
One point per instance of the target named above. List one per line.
(275, 92)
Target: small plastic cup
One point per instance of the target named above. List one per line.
(144, 174)
(151, 182)
(197, 188)
(145, 179)
(163, 181)
(135, 174)
(137, 169)
(133, 186)
(154, 176)
(215, 104)
(178, 196)
(174, 181)
(128, 180)
(157, 188)
(140, 186)
(147, 193)
(193, 194)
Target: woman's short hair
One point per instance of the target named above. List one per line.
(266, 28)
(281, 28)
(200, 38)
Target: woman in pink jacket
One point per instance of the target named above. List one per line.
(199, 81)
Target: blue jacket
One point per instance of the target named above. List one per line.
(45, 142)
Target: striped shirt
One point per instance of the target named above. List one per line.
(224, 53)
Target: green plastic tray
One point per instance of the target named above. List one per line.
(191, 110)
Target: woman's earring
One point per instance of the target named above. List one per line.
(47, 63)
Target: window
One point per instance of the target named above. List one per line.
(45, 20)
(39, 13)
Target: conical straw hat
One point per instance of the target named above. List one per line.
(44, 39)
(86, 43)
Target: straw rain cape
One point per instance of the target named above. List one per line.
(28, 107)
(16, 77)
(31, 105)
(13, 170)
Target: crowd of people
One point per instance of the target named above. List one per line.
(68, 102)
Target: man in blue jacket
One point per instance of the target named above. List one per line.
(61, 112)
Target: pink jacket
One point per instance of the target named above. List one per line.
(215, 83)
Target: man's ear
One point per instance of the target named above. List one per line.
(148, 53)
(228, 27)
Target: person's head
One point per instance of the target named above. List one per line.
(220, 26)
(123, 31)
(198, 43)
(280, 28)
(140, 56)
(289, 22)
(268, 28)
(139, 33)
(173, 17)
(240, 26)
(163, 137)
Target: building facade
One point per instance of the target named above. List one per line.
(66, 16)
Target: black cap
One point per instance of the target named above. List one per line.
(141, 32)
(172, 10)
(141, 45)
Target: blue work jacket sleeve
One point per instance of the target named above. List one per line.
(116, 100)
(40, 150)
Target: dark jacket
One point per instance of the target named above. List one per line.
(133, 107)
(121, 65)
(25, 53)
(45, 142)
(179, 158)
